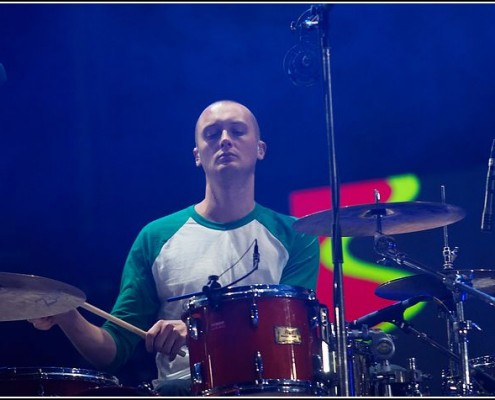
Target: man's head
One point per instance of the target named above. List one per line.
(227, 135)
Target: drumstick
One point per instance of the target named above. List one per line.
(119, 322)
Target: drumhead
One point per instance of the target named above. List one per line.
(247, 292)
(57, 373)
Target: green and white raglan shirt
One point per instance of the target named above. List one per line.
(174, 256)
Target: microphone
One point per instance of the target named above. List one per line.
(389, 313)
(213, 286)
(487, 215)
(256, 254)
(302, 65)
(382, 345)
(256, 261)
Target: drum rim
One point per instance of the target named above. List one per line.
(266, 385)
(255, 290)
(482, 360)
(25, 372)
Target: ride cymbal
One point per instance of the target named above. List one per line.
(28, 296)
(429, 285)
(396, 218)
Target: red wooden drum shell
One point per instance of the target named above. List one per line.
(258, 338)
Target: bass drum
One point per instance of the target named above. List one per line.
(255, 340)
(51, 381)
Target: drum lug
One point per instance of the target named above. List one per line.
(197, 374)
(315, 321)
(192, 328)
(324, 323)
(258, 364)
(317, 362)
(254, 315)
(41, 390)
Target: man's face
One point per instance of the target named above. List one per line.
(227, 138)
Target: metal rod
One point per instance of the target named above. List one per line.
(462, 327)
(337, 257)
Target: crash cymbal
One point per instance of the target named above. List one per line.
(29, 296)
(429, 285)
(396, 218)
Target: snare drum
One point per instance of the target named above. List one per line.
(255, 339)
(51, 381)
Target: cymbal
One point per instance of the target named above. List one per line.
(28, 296)
(429, 285)
(396, 218)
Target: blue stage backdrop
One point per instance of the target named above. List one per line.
(98, 104)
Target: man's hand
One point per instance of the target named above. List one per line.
(44, 323)
(167, 337)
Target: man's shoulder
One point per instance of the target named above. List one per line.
(281, 225)
(271, 213)
(172, 220)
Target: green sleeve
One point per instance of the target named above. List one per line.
(137, 302)
(304, 262)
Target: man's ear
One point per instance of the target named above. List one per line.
(261, 149)
(197, 159)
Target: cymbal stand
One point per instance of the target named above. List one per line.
(456, 283)
(317, 17)
(450, 318)
(449, 383)
(386, 247)
(457, 328)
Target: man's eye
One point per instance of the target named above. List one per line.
(211, 133)
(238, 132)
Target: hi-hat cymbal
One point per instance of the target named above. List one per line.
(429, 285)
(396, 218)
(28, 296)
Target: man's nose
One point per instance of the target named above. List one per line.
(225, 139)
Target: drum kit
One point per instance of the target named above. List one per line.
(240, 345)
(360, 357)
(279, 340)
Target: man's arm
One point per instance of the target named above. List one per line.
(94, 343)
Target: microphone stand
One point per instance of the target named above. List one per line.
(319, 16)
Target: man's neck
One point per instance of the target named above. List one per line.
(227, 204)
